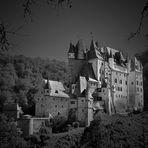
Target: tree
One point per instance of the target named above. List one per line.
(58, 124)
(9, 135)
(144, 13)
(27, 4)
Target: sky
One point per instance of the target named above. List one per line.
(51, 30)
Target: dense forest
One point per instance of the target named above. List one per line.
(21, 78)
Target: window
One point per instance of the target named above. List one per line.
(56, 106)
(72, 102)
(62, 106)
(99, 89)
(115, 80)
(120, 81)
(141, 89)
(121, 88)
(132, 83)
(99, 98)
(137, 82)
(137, 89)
(82, 100)
(125, 82)
(56, 91)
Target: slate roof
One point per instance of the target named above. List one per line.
(56, 88)
(80, 45)
(95, 51)
(72, 48)
(88, 71)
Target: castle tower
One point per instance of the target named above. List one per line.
(135, 84)
(76, 59)
(97, 60)
(80, 50)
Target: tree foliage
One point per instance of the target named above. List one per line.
(115, 132)
(9, 134)
(59, 124)
(21, 78)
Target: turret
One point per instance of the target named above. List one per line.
(71, 52)
(80, 50)
(47, 87)
(94, 51)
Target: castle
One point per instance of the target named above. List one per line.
(103, 79)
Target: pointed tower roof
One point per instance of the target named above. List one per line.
(87, 71)
(92, 45)
(71, 48)
(80, 45)
(94, 51)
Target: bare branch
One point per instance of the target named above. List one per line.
(5, 35)
(4, 43)
(60, 3)
(143, 14)
(27, 5)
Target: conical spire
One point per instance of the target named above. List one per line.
(80, 45)
(92, 45)
(71, 48)
(80, 49)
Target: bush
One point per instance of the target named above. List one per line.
(114, 132)
(76, 124)
(59, 124)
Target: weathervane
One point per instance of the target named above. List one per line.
(92, 35)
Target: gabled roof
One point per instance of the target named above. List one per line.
(59, 93)
(87, 71)
(55, 85)
(56, 88)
